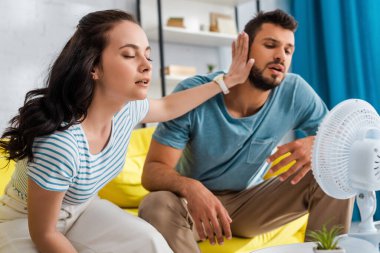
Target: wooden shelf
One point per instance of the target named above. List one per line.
(183, 36)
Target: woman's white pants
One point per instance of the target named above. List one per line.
(97, 226)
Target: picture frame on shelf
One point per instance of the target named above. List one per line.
(226, 26)
(214, 16)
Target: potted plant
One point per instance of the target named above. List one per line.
(210, 67)
(327, 240)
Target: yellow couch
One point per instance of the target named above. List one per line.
(126, 191)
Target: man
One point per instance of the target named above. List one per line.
(206, 168)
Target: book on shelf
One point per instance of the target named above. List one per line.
(179, 70)
(176, 22)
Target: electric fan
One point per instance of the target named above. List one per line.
(346, 163)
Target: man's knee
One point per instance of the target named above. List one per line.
(168, 214)
(159, 206)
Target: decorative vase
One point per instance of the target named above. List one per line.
(340, 250)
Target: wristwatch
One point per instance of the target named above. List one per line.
(219, 79)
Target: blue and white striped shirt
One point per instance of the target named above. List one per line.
(63, 162)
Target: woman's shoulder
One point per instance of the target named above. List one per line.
(67, 139)
(134, 110)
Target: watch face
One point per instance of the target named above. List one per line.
(219, 77)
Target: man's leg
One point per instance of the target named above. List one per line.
(168, 214)
(273, 203)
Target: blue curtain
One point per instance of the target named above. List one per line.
(338, 51)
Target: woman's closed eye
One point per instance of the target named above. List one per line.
(129, 56)
(134, 56)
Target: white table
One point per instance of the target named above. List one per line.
(289, 248)
(350, 244)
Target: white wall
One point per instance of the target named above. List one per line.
(247, 10)
(32, 34)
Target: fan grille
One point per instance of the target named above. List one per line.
(335, 136)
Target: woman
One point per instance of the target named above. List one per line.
(71, 137)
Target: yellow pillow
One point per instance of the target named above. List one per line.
(292, 232)
(125, 190)
(280, 171)
(6, 171)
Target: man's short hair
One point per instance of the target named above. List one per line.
(276, 17)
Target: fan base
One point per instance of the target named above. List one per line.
(373, 238)
(354, 245)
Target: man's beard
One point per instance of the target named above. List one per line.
(258, 80)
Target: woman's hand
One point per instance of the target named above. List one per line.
(240, 67)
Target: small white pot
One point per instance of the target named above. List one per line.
(329, 250)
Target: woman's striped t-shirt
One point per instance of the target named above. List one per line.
(63, 162)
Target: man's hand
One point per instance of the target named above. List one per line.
(300, 152)
(210, 217)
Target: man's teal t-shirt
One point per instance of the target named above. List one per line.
(227, 153)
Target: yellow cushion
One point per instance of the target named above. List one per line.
(6, 171)
(125, 190)
(293, 232)
(282, 170)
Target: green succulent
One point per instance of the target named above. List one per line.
(326, 238)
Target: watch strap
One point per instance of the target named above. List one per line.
(219, 79)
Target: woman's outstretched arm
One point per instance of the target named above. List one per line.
(179, 103)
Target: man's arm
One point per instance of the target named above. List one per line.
(210, 217)
(309, 112)
(159, 173)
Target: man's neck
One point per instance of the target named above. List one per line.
(245, 100)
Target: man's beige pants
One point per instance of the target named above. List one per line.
(254, 211)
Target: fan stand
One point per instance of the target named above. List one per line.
(368, 236)
(367, 230)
